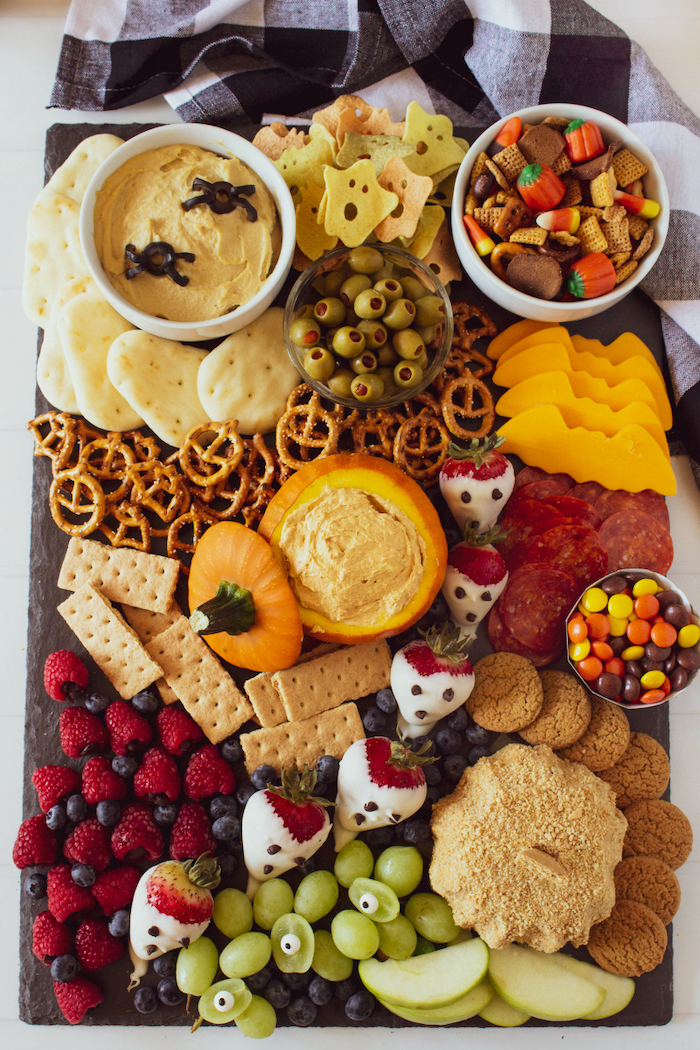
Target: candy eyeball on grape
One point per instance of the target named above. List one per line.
(223, 1001)
(369, 903)
(290, 944)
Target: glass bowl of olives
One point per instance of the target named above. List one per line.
(369, 326)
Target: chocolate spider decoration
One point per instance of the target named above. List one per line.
(222, 197)
(158, 259)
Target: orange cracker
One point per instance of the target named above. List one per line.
(375, 122)
(355, 202)
(274, 139)
(330, 116)
(330, 679)
(120, 574)
(330, 733)
(442, 256)
(412, 191)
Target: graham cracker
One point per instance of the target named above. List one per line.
(264, 695)
(148, 625)
(332, 678)
(330, 733)
(113, 645)
(199, 681)
(121, 574)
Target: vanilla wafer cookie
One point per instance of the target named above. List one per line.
(121, 574)
(330, 733)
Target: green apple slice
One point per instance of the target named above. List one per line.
(427, 981)
(461, 1009)
(497, 1011)
(618, 990)
(536, 984)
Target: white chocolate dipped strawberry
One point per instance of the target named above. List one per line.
(431, 677)
(476, 482)
(476, 577)
(283, 826)
(171, 908)
(380, 782)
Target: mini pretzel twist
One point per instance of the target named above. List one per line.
(128, 517)
(467, 398)
(306, 425)
(78, 493)
(421, 446)
(207, 462)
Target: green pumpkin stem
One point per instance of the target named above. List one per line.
(231, 610)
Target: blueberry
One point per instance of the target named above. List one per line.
(64, 968)
(439, 610)
(168, 992)
(223, 806)
(420, 741)
(458, 720)
(96, 703)
(228, 863)
(320, 991)
(35, 885)
(386, 701)
(432, 795)
(166, 814)
(448, 741)
(118, 924)
(262, 776)
(226, 829)
(146, 702)
(76, 808)
(327, 768)
(476, 735)
(108, 812)
(231, 749)
(416, 830)
(56, 818)
(476, 753)
(124, 766)
(165, 965)
(360, 1005)
(83, 875)
(244, 791)
(257, 981)
(432, 773)
(344, 989)
(278, 994)
(146, 1000)
(374, 720)
(302, 1012)
(379, 836)
(453, 767)
(308, 866)
(297, 981)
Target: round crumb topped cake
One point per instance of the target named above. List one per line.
(525, 849)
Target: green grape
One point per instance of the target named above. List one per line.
(259, 1019)
(397, 938)
(246, 954)
(432, 917)
(233, 912)
(400, 867)
(316, 895)
(293, 943)
(354, 861)
(196, 966)
(224, 1001)
(328, 960)
(463, 935)
(354, 934)
(374, 899)
(272, 899)
(423, 946)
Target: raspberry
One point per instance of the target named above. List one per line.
(100, 782)
(158, 778)
(179, 733)
(191, 834)
(50, 937)
(65, 897)
(81, 733)
(88, 843)
(35, 843)
(54, 783)
(64, 674)
(128, 730)
(95, 946)
(208, 773)
(137, 835)
(76, 997)
(114, 889)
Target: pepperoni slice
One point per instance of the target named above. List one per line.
(588, 490)
(575, 548)
(520, 554)
(520, 519)
(612, 501)
(502, 641)
(535, 604)
(573, 507)
(549, 485)
(527, 474)
(636, 540)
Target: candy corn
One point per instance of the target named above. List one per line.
(646, 209)
(479, 238)
(567, 219)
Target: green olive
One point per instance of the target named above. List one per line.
(367, 387)
(389, 288)
(365, 362)
(423, 360)
(304, 332)
(319, 363)
(348, 342)
(369, 304)
(427, 333)
(429, 310)
(352, 286)
(365, 260)
(375, 334)
(386, 375)
(306, 311)
(407, 373)
(330, 312)
(386, 355)
(332, 282)
(412, 287)
(408, 344)
(399, 314)
(340, 382)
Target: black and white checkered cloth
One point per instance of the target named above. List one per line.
(227, 62)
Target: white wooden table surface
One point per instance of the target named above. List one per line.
(30, 36)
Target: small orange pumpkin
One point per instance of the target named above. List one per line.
(382, 478)
(236, 581)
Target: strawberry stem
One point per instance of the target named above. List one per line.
(298, 787)
(203, 872)
(476, 450)
(231, 610)
(447, 641)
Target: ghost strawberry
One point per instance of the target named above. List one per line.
(476, 576)
(430, 678)
(476, 482)
(283, 826)
(380, 782)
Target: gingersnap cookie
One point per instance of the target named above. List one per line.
(605, 740)
(649, 881)
(658, 829)
(507, 693)
(630, 942)
(565, 714)
(643, 772)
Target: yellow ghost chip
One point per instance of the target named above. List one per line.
(312, 238)
(431, 220)
(412, 190)
(432, 139)
(443, 189)
(355, 202)
(377, 148)
(299, 166)
(319, 131)
(330, 116)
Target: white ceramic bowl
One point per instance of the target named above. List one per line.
(527, 305)
(227, 144)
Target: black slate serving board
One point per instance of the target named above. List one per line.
(653, 1000)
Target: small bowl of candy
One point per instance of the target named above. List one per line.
(634, 639)
(369, 326)
(559, 212)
